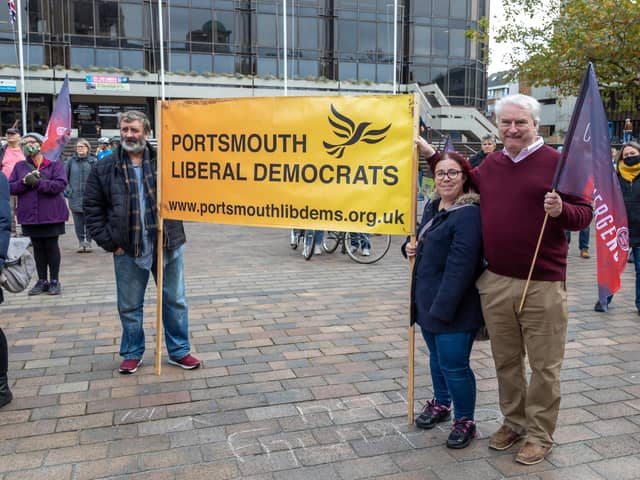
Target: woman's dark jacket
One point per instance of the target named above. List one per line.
(631, 196)
(43, 203)
(77, 170)
(107, 205)
(448, 261)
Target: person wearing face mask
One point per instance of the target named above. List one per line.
(10, 154)
(628, 168)
(39, 184)
(77, 169)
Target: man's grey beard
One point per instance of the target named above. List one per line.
(134, 147)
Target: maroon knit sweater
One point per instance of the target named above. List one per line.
(512, 212)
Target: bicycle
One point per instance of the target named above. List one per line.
(308, 241)
(360, 247)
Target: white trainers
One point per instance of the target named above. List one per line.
(294, 239)
(365, 252)
(317, 250)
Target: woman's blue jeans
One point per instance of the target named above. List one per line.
(131, 285)
(451, 374)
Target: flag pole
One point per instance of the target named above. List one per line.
(411, 343)
(285, 45)
(395, 45)
(159, 242)
(533, 262)
(23, 101)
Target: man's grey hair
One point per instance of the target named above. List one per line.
(135, 116)
(488, 137)
(522, 101)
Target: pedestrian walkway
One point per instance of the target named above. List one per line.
(304, 376)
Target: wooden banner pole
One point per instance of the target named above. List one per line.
(159, 242)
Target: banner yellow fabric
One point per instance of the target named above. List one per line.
(324, 163)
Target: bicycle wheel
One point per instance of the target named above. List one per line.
(308, 244)
(366, 248)
(330, 241)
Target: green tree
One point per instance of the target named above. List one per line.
(554, 40)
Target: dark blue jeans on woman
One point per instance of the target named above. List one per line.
(451, 374)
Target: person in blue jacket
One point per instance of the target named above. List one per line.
(444, 299)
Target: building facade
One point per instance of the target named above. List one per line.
(328, 40)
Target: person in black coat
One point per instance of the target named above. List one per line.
(444, 299)
(487, 146)
(5, 233)
(628, 168)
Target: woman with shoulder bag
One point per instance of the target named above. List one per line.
(42, 210)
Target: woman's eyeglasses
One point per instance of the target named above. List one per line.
(452, 174)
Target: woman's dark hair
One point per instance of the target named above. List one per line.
(464, 164)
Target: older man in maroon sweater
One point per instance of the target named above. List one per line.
(514, 186)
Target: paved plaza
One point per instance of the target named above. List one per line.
(305, 375)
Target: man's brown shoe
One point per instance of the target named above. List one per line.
(530, 453)
(503, 438)
(584, 253)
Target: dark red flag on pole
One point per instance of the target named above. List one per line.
(59, 127)
(585, 170)
(448, 145)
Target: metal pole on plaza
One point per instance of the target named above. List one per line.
(159, 242)
(284, 43)
(395, 46)
(412, 239)
(23, 101)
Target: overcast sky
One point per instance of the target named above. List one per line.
(497, 63)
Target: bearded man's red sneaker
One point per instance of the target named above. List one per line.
(188, 362)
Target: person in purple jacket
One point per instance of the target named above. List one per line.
(42, 210)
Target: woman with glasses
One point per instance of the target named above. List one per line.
(444, 299)
(42, 210)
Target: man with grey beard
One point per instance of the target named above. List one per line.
(121, 214)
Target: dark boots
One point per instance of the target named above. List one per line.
(5, 393)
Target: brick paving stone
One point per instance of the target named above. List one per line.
(55, 472)
(320, 454)
(618, 468)
(615, 446)
(581, 472)
(76, 454)
(471, 470)
(20, 461)
(366, 467)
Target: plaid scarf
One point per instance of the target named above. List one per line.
(151, 213)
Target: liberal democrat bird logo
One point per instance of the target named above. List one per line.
(347, 129)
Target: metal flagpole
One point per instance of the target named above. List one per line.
(23, 101)
(161, 36)
(286, 51)
(395, 45)
(160, 240)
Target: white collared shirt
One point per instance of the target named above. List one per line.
(526, 151)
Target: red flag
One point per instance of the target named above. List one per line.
(585, 170)
(59, 128)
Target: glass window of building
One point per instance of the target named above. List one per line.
(132, 59)
(107, 57)
(458, 9)
(347, 39)
(457, 43)
(179, 27)
(422, 8)
(107, 18)
(422, 40)
(224, 31)
(441, 8)
(347, 71)
(440, 45)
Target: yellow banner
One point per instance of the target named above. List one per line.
(324, 163)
